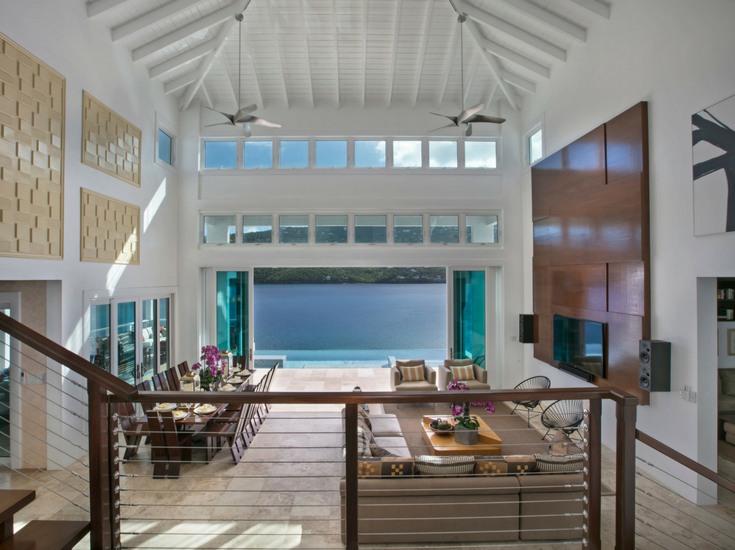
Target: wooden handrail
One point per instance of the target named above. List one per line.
(69, 359)
(684, 460)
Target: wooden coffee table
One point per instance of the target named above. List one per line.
(489, 443)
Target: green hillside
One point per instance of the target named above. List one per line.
(346, 275)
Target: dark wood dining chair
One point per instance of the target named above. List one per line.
(160, 382)
(169, 447)
(234, 429)
(183, 368)
(174, 381)
(145, 385)
(132, 428)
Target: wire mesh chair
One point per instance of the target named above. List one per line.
(565, 415)
(533, 383)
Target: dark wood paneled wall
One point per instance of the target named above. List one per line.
(591, 252)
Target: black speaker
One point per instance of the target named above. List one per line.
(526, 334)
(654, 365)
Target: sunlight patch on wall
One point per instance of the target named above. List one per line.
(154, 205)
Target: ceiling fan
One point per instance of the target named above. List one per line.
(242, 117)
(468, 116)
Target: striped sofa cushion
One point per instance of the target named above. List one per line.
(559, 463)
(463, 373)
(445, 466)
(412, 374)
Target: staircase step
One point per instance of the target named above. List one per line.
(47, 535)
(14, 500)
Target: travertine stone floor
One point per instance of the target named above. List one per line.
(283, 494)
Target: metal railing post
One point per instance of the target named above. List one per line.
(351, 515)
(593, 474)
(114, 479)
(99, 468)
(625, 413)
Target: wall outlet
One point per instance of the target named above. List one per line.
(688, 394)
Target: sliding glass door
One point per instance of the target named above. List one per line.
(233, 312)
(467, 314)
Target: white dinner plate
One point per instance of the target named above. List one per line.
(165, 407)
(228, 387)
(205, 409)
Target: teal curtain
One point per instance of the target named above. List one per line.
(469, 315)
(232, 311)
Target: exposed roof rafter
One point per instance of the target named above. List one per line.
(336, 50)
(279, 56)
(473, 72)
(422, 52)
(513, 57)
(102, 7)
(180, 82)
(493, 65)
(519, 82)
(169, 65)
(394, 53)
(228, 83)
(207, 97)
(449, 65)
(155, 17)
(364, 49)
(308, 54)
(511, 30)
(491, 95)
(595, 6)
(548, 19)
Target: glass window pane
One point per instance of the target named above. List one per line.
(480, 154)
(469, 315)
(407, 154)
(163, 334)
(371, 229)
(232, 312)
(164, 146)
(257, 229)
(220, 154)
(535, 147)
(331, 154)
(219, 229)
(482, 229)
(99, 336)
(258, 154)
(294, 154)
(442, 154)
(444, 229)
(293, 229)
(331, 229)
(148, 334)
(408, 229)
(369, 154)
(126, 342)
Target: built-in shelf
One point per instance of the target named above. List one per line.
(727, 303)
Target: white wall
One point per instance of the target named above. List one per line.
(59, 34)
(350, 191)
(677, 55)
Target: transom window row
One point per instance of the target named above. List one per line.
(349, 153)
(350, 229)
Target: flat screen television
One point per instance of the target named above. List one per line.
(580, 343)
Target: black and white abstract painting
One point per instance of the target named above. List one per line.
(713, 151)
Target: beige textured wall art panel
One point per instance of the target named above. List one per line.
(109, 142)
(110, 230)
(32, 97)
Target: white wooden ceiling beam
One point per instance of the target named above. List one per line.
(183, 33)
(511, 30)
(279, 56)
(336, 51)
(169, 65)
(548, 19)
(254, 73)
(448, 66)
(595, 6)
(308, 53)
(493, 65)
(394, 52)
(473, 71)
(491, 95)
(206, 65)
(228, 83)
(180, 82)
(513, 57)
(422, 52)
(167, 11)
(519, 82)
(207, 97)
(102, 7)
(364, 49)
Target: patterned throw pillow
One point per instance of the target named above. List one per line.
(379, 451)
(412, 374)
(363, 443)
(445, 466)
(386, 467)
(364, 416)
(463, 373)
(563, 463)
(502, 465)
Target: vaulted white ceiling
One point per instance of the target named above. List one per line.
(350, 52)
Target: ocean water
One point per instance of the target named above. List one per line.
(355, 325)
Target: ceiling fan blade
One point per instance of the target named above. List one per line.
(483, 118)
(467, 113)
(442, 127)
(246, 130)
(468, 129)
(249, 108)
(263, 122)
(229, 117)
(219, 124)
(452, 118)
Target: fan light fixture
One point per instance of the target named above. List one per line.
(466, 116)
(242, 118)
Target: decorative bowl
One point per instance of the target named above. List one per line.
(442, 432)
